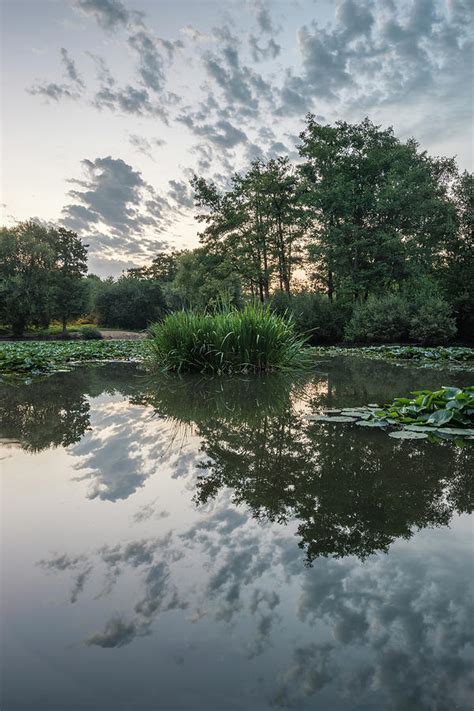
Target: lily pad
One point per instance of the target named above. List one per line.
(370, 423)
(327, 418)
(408, 434)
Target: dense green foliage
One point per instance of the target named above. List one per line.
(251, 340)
(314, 314)
(27, 359)
(41, 275)
(397, 318)
(440, 408)
(129, 302)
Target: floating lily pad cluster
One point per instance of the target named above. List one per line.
(23, 360)
(454, 357)
(444, 413)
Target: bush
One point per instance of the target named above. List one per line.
(314, 315)
(422, 318)
(431, 323)
(384, 319)
(252, 340)
(90, 333)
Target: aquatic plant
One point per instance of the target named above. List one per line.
(229, 341)
(456, 357)
(20, 360)
(447, 412)
(444, 407)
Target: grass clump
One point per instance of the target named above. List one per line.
(253, 340)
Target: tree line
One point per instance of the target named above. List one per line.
(365, 237)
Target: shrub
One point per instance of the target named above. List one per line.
(314, 315)
(431, 322)
(384, 319)
(422, 317)
(90, 333)
(252, 340)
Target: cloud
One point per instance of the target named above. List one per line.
(222, 133)
(181, 193)
(259, 53)
(115, 209)
(129, 100)
(150, 60)
(109, 14)
(70, 67)
(116, 633)
(55, 91)
(145, 146)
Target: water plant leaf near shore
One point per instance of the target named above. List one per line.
(20, 360)
(452, 357)
(253, 340)
(447, 412)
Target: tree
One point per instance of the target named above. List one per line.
(41, 269)
(70, 288)
(456, 271)
(129, 302)
(380, 207)
(27, 260)
(202, 279)
(258, 224)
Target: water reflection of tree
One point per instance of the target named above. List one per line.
(350, 490)
(55, 412)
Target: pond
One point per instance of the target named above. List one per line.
(190, 543)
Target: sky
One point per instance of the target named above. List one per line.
(110, 106)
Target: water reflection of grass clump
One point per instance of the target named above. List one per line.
(253, 340)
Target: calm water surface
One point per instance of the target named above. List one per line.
(197, 545)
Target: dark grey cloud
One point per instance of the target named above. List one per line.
(116, 633)
(181, 193)
(150, 60)
(243, 89)
(263, 16)
(379, 54)
(261, 52)
(114, 196)
(109, 14)
(222, 133)
(70, 67)
(55, 91)
(129, 100)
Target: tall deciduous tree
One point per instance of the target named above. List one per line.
(41, 275)
(27, 261)
(70, 288)
(380, 207)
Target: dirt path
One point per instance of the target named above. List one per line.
(129, 335)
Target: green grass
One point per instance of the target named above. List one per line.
(24, 359)
(253, 340)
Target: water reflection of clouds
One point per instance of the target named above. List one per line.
(396, 627)
(125, 447)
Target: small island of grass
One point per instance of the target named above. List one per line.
(252, 340)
